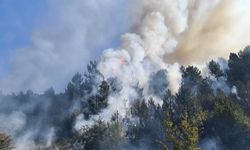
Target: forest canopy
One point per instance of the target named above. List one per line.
(208, 112)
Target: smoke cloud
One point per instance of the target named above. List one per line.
(213, 30)
(188, 32)
(75, 33)
(167, 33)
(161, 35)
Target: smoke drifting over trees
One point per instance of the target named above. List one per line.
(91, 113)
(82, 29)
(146, 93)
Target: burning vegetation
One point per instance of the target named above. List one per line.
(200, 115)
(145, 94)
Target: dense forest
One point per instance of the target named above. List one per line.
(208, 112)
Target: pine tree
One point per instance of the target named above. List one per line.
(5, 142)
(215, 69)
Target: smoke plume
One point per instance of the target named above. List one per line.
(167, 33)
(199, 28)
(191, 31)
(162, 34)
(74, 33)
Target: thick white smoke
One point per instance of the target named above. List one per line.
(197, 29)
(166, 33)
(74, 33)
(215, 28)
(139, 56)
(163, 34)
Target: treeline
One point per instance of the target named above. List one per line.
(39, 115)
(211, 112)
(208, 112)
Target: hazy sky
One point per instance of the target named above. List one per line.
(17, 18)
(43, 43)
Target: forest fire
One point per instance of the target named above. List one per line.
(157, 88)
(122, 61)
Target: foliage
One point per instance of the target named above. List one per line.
(196, 112)
(215, 69)
(184, 118)
(5, 142)
(225, 106)
(100, 136)
(239, 66)
(185, 134)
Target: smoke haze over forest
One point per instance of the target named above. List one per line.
(73, 33)
(121, 69)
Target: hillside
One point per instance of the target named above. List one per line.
(210, 110)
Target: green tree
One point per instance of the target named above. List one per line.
(191, 76)
(74, 88)
(100, 100)
(5, 142)
(215, 69)
(114, 136)
(239, 66)
(226, 107)
(89, 137)
(184, 135)
(103, 93)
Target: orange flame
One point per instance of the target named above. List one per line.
(122, 61)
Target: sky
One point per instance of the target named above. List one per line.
(17, 18)
(39, 39)
(43, 43)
